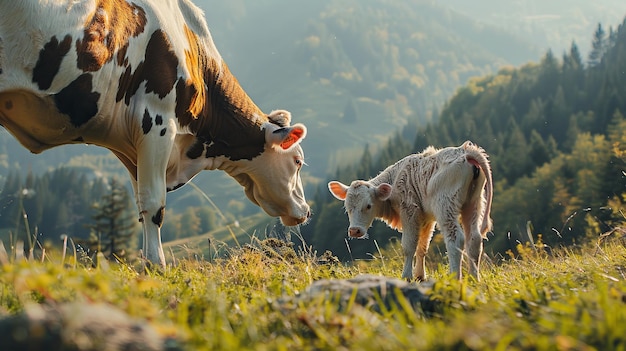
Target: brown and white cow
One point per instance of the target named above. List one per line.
(435, 186)
(143, 79)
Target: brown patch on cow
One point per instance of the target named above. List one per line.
(108, 30)
(122, 59)
(195, 58)
(230, 123)
(236, 99)
(214, 106)
(184, 95)
(49, 62)
(158, 70)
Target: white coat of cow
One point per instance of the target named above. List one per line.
(435, 186)
(143, 79)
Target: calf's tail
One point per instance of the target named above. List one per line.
(480, 159)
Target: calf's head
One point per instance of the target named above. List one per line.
(272, 179)
(361, 201)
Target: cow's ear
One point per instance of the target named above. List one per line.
(287, 137)
(338, 189)
(383, 191)
(280, 117)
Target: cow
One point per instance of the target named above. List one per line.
(435, 186)
(144, 79)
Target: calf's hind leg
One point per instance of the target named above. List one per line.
(454, 240)
(473, 240)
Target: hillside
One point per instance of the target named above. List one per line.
(555, 134)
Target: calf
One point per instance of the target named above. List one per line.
(435, 186)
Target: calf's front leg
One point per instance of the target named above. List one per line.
(409, 246)
(423, 242)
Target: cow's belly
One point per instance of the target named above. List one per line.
(35, 121)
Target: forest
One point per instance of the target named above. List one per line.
(556, 135)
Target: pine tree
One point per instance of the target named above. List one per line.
(115, 228)
(598, 46)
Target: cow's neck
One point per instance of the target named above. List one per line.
(230, 123)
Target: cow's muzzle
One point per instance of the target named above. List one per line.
(289, 221)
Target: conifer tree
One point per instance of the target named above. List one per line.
(114, 232)
(598, 46)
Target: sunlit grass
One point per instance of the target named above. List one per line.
(570, 299)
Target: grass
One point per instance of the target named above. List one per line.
(570, 299)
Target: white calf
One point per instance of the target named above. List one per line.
(435, 186)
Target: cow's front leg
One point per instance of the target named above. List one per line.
(153, 153)
(409, 246)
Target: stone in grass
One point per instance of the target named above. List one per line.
(371, 291)
(79, 327)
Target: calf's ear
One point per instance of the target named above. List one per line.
(383, 191)
(286, 137)
(338, 189)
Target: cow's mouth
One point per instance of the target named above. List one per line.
(293, 221)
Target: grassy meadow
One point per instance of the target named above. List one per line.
(561, 299)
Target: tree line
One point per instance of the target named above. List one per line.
(97, 213)
(556, 135)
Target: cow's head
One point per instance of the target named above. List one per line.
(272, 179)
(361, 201)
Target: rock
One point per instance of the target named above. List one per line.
(78, 327)
(371, 290)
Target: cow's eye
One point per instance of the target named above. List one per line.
(369, 206)
(299, 162)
